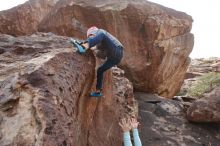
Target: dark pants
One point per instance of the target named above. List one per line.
(110, 62)
(107, 65)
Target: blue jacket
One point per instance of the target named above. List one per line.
(112, 46)
(127, 138)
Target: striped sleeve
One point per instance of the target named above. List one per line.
(127, 139)
(137, 141)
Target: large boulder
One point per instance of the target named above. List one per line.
(24, 19)
(44, 87)
(206, 109)
(157, 40)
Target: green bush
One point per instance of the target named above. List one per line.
(181, 93)
(204, 84)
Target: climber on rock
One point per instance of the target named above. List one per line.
(107, 46)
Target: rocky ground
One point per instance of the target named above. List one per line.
(202, 84)
(164, 123)
(44, 82)
(205, 69)
(185, 120)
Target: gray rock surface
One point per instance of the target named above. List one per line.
(163, 123)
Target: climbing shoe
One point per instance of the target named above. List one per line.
(96, 94)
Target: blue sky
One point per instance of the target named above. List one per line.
(206, 25)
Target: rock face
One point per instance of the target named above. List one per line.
(24, 19)
(206, 109)
(163, 123)
(44, 87)
(157, 40)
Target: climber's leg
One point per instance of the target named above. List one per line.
(107, 65)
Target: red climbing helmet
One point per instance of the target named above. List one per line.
(92, 30)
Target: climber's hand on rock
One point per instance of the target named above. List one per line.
(125, 125)
(85, 45)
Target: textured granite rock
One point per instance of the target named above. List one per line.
(25, 18)
(157, 40)
(44, 88)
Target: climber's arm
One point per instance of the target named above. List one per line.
(96, 39)
(137, 141)
(127, 139)
(86, 46)
(126, 132)
(134, 125)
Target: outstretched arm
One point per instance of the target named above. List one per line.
(134, 124)
(127, 139)
(137, 141)
(125, 125)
